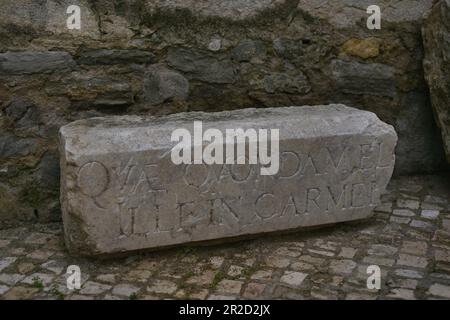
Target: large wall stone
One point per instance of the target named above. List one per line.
(436, 33)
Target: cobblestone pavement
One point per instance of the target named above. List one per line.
(408, 238)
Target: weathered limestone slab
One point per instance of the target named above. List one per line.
(121, 191)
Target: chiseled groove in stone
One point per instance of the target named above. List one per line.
(121, 192)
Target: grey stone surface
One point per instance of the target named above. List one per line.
(436, 34)
(161, 84)
(232, 9)
(201, 66)
(86, 90)
(347, 13)
(282, 82)
(121, 190)
(115, 56)
(30, 62)
(359, 78)
(22, 112)
(13, 146)
(248, 49)
(419, 147)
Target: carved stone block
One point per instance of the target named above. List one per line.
(121, 190)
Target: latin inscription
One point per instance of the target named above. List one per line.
(211, 194)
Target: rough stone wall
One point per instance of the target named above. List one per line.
(166, 56)
(436, 33)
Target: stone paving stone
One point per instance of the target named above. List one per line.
(382, 250)
(302, 266)
(347, 253)
(199, 295)
(440, 290)
(40, 254)
(323, 294)
(149, 265)
(435, 199)
(403, 283)
(216, 262)
(109, 297)
(418, 248)
(254, 290)
(6, 262)
(125, 290)
(277, 262)
(429, 214)
(235, 271)
(293, 278)
(344, 266)
(54, 266)
(138, 275)
(10, 279)
(384, 207)
(249, 262)
(409, 273)
(34, 278)
(18, 251)
(326, 245)
(446, 224)
(25, 267)
(403, 213)
(229, 287)
(38, 238)
(409, 204)
(440, 276)
(3, 289)
(162, 286)
(431, 206)
(106, 278)
(321, 252)
(20, 293)
(283, 251)
(360, 296)
(401, 293)
(221, 297)
(94, 288)
(400, 220)
(381, 261)
(442, 255)
(203, 279)
(262, 275)
(80, 297)
(312, 260)
(4, 243)
(412, 261)
(421, 224)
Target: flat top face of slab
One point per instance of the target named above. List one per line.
(127, 133)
